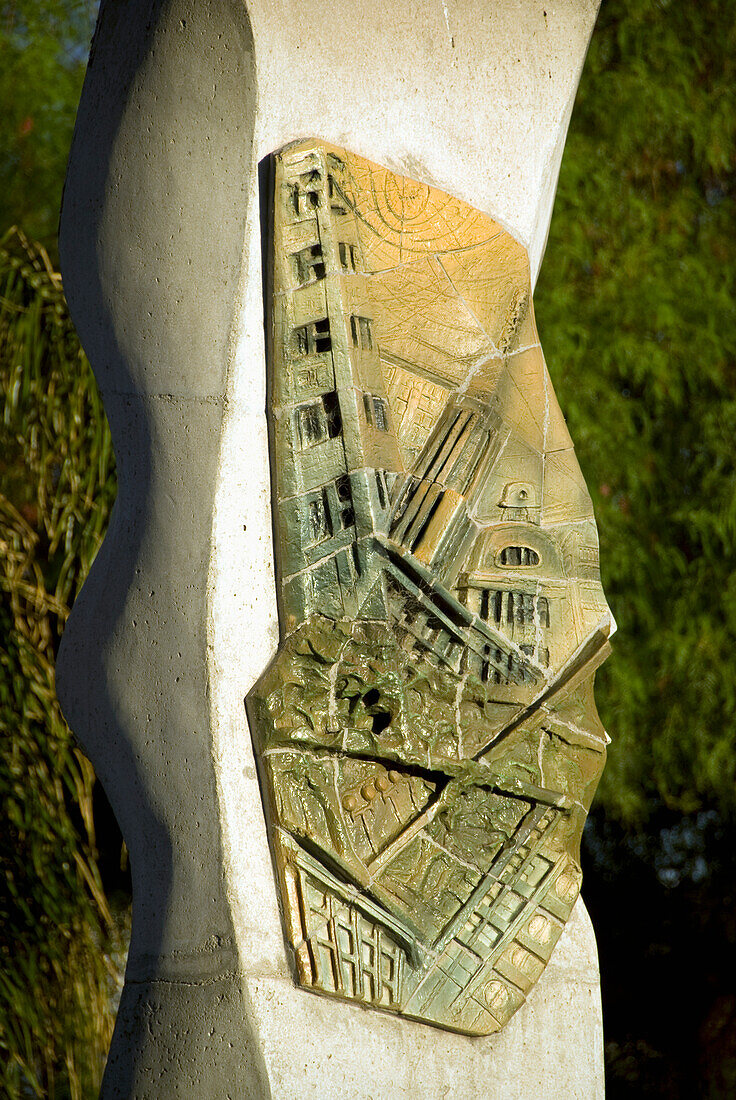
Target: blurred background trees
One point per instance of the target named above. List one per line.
(636, 310)
(57, 484)
(61, 939)
(637, 314)
(43, 55)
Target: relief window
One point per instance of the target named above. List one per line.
(305, 193)
(295, 197)
(318, 519)
(337, 199)
(376, 412)
(381, 487)
(332, 413)
(312, 183)
(308, 264)
(360, 331)
(312, 424)
(319, 420)
(345, 501)
(348, 256)
(524, 608)
(322, 341)
(521, 608)
(518, 555)
(313, 339)
(380, 414)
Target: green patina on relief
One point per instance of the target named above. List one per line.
(427, 733)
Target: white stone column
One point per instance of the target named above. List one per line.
(161, 256)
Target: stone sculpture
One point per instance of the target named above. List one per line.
(161, 247)
(427, 734)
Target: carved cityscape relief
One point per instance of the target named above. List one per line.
(427, 734)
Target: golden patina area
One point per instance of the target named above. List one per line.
(427, 732)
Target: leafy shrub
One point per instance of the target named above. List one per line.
(57, 485)
(637, 314)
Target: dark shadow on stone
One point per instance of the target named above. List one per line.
(151, 242)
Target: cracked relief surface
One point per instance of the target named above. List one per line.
(427, 734)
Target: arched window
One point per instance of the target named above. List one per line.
(518, 555)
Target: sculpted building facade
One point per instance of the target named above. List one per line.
(427, 733)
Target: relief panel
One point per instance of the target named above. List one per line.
(426, 735)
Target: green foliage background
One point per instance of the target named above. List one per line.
(43, 54)
(637, 315)
(636, 311)
(57, 486)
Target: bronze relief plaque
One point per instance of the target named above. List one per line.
(427, 736)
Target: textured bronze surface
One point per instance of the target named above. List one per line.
(427, 734)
